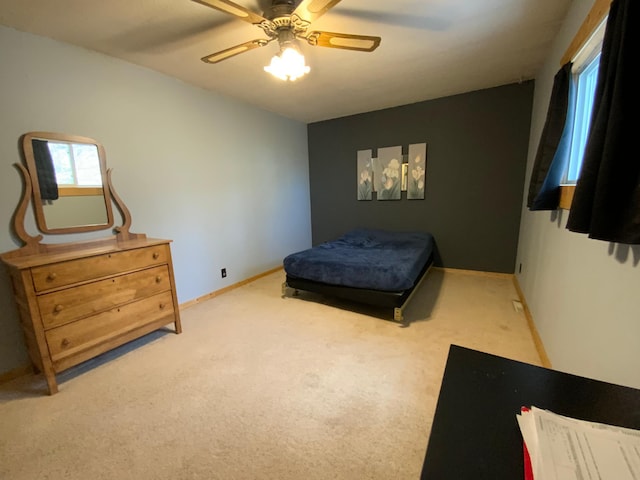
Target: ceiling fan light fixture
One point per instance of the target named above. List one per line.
(289, 64)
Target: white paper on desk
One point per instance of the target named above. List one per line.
(571, 449)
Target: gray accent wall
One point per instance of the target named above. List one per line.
(477, 147)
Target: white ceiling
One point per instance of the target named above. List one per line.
(429, 48)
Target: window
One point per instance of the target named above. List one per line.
(585, 82)
(586, 63)
(76, 165)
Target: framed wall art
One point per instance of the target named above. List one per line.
(416, 169)
(391, 173)
(365, 175)
(387, 172)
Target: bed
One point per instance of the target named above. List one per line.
(376, 267)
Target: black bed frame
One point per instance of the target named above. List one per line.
(398, 300)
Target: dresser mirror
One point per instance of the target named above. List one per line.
(68, 175)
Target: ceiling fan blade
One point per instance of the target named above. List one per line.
(234, 9)
(311, 10)
(362, 43)
(233, 51)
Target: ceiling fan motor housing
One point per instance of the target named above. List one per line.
(281, 17)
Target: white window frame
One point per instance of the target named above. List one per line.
(584, 75)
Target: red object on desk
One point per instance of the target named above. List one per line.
(528, 469)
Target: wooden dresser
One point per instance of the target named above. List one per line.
(76, 300)
(86, 298)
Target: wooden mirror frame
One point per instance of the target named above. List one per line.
(27, 148)
(32, 244)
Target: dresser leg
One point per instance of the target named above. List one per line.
(51, 383)
(178, 325)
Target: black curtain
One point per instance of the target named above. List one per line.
(46, 171)
(553, 149)
(606, 203)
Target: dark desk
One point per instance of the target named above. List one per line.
(475, 433)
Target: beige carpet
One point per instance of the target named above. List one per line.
(262, 387)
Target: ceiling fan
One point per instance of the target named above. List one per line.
(285, 22)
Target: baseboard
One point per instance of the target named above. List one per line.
(15, 373)
(544, 358)
(477, 273)
(216, 293)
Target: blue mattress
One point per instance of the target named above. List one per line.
(365, 258)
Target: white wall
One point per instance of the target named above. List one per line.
(584, 295)
(227, 182)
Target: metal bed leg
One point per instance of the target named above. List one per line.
(286, 288)
(398, 312)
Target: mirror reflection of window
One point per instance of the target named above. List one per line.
(69, 174)
(76, 164)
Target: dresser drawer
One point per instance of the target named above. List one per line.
(64, 306)
(88, 268)
(80, 335)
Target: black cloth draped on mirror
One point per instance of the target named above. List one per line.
(552, 155)
(46, 171)
(606, 203)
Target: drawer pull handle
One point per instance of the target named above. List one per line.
(52, 276)
(162, 306)
(65, 342)
(158, 279)
(155, 255)
(58, 308)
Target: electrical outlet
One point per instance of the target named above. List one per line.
(223, 272)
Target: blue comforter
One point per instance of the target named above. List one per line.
(365, 258)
